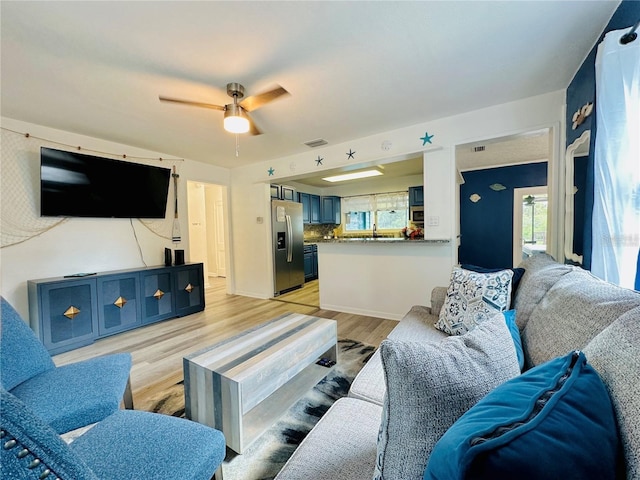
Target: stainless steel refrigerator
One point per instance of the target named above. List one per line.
(288, 245)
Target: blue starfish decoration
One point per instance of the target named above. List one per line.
(426, 139)
(319, 161)
(271, 171)
(350, 154)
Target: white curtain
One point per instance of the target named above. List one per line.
(616, 210)
(362, 203)
(379, 201)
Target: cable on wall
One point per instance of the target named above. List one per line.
(135, 235)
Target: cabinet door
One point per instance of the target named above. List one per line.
(314, 201)
(118, 303)
(305, 200)
(275, 191)
(189, 289)
(68, 314)
(287, 193)
(416, 196)
(330, 212)
(308, 266)
(326, 212)
(157, 295)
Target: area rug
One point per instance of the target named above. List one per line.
(267, 455)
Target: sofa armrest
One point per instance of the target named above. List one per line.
(438, 296)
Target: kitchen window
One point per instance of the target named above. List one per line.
(388, 211)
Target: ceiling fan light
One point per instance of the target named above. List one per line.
(234, 119)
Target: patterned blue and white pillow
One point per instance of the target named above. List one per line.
(473, 297)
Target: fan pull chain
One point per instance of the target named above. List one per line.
(237, 146)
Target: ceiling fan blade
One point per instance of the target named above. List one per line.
(192, 103)
(253, 129)
(256, 101)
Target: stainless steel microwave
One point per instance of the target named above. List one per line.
(417, 214)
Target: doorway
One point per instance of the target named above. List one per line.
(530, 219)
(489, 174)
(207, 217)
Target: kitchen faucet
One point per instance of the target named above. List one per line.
(375, 231)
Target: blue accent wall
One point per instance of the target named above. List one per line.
(582, 90)
(486, 227)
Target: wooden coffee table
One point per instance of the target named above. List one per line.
(242, 385)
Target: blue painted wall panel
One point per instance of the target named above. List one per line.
(486, 227)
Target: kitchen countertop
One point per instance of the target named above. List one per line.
(393, 240)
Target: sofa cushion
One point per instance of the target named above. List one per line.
(417, 325)
(574, 310)
(429, 385)
(341, 445)
(472, 298)
(541, 273)
(554, 421)
(614, 354)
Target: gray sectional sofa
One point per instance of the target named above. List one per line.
(559, 309)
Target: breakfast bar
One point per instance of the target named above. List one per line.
(381, 277)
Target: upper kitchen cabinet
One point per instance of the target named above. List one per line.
(416, 196)
(282, 192)
(310, 208)
(330, 210)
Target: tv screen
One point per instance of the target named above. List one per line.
(77, 185)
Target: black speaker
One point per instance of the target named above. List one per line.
(179, 256)
(167, 257)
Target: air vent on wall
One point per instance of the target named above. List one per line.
(479, 148)
(316, 143)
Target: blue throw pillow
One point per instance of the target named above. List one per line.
(510, 318)
(515, 280)
(554, 421)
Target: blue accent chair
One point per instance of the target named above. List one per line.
(124, 446)
(66, 397)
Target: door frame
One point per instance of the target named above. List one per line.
(518, 196)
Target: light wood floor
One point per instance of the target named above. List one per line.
(157, 350)
(308, 295)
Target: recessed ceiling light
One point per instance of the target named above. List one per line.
(353, 176)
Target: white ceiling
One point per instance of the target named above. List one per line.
(353, 68)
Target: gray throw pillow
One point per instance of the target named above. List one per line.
(430, 385)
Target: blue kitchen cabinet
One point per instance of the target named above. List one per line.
(314, 201)
(330, 210)
(305, 200)
(416, 196)
(310, 208)
(310, 262)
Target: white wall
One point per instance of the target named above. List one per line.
(250, 183)
(78, 244)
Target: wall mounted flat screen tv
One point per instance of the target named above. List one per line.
(77, 185)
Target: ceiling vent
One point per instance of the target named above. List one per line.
(316, 143)
(479, 148)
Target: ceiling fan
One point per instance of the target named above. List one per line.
(236, 116)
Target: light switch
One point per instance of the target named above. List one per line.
(433, 221)
(259, 220)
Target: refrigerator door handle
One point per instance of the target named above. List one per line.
(289, 238)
